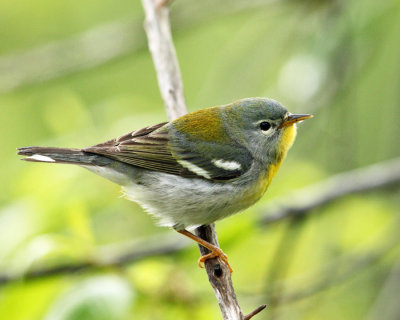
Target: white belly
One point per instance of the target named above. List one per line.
(179, 202)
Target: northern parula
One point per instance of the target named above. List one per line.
(199, 168)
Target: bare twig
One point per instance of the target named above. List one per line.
(169, 80)
(164, 57)
(256, 311)
(383, 174)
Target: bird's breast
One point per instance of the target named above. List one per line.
(258, 187)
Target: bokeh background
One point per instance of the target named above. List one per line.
(75, 73)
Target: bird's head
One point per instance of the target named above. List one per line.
(263, 126)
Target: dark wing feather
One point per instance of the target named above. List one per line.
(160, 148)
(146, 148)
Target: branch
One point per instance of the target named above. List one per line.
(219, 277)
(302, 202)
(256, 311)
(164, 57)
(169, 80)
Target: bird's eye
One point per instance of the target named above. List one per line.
(265, 126)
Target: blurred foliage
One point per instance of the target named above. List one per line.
(336, 59)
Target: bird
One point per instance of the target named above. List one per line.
(199, 168)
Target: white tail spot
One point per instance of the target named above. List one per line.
(39, 157)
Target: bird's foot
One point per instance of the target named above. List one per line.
(215, 253)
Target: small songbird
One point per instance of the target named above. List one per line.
(197, 169)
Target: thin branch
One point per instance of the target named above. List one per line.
(302, 202)
(164, 57)
(256, 311)
(159, 36)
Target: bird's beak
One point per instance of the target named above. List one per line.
(293, 118)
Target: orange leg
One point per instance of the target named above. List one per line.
(215, 251)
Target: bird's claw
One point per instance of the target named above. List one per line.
(215, 254)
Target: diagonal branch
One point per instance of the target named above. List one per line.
(158, 31)
(164, 57)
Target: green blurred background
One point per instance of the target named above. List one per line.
(75, 73)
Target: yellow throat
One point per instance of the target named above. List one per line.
(288, 136)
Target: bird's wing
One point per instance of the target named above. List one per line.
(160, 148)
(146, 148)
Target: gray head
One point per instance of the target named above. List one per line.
(263, 126)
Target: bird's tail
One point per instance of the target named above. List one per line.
(62, 155)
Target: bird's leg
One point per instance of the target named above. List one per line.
(215, 251)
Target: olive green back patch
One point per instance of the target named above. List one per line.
(205, 124)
